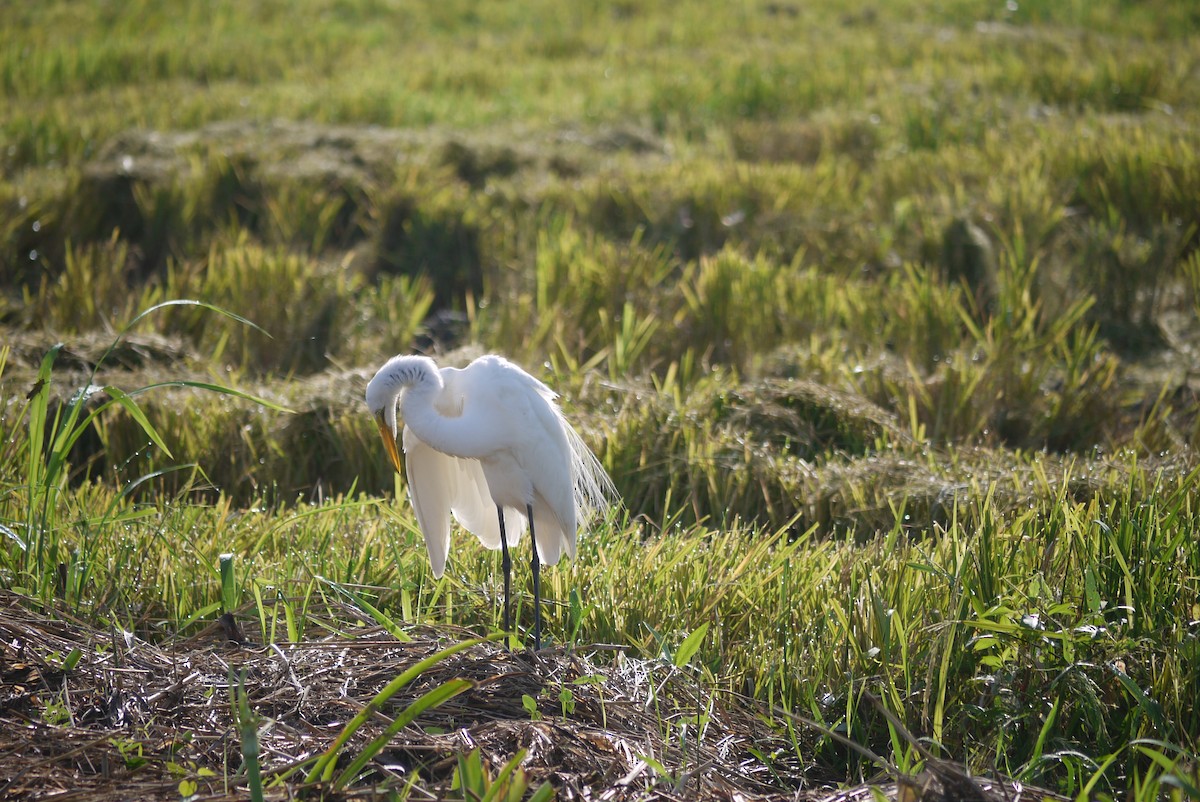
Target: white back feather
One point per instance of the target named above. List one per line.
(494, 411)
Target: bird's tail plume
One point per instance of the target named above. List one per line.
(594, 490)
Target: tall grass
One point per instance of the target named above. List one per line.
(44, 510)
(725, 235)
(1022, 638)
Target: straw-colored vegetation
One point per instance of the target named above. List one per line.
(883, 318)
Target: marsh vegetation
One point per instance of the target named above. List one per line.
(883, 318)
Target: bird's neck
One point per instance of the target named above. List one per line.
(455, 435)
(421, 415)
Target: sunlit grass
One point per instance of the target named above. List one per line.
(725, 235)
(991, 623)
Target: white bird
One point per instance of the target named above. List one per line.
(488, 437)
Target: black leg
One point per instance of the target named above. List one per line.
(506, 564)
(537, 584)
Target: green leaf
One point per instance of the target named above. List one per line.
(589, 679)
(1086, 792)
(380, 617)
(470, 774)
(184, 302)
(567, 700)
(509, 776)
(324, 766)
(576, 607)
(1172, 776)
(247, 724)
(201, 612)
(662, 645)
(690, 645)
(118, 395)
(72, 659)
(220, 389)
(1164, 762)
(1090, 591)
(659, 768)
(39, 398)
(544, 793)
(1148, 706)
(1176, 780)
(431, 699)
(1047, 728)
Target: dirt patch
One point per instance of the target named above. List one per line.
(99, 715)
(131, 717)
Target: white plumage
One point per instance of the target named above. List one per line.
(484, 442)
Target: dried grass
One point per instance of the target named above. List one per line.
(62, 732)
(133, 719)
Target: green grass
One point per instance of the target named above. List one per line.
(726, 236)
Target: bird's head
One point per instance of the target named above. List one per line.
(404, 373)
(382, 394)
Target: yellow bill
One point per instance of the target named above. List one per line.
(389, 441)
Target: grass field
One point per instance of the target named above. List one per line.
(882, 317)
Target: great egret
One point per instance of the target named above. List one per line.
(488, 434)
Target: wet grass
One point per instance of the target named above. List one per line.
(881, 318)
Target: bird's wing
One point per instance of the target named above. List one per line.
(543, 449)
(503, 408)
(432, 481)
(468, 423)
(439, 485)
(549, 534)
(473, 504)
(473, 507)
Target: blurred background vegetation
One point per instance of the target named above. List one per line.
(907, 291)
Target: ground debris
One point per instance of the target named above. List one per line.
(107, 715)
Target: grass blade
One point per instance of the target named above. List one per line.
(427, 701)
(215, 388)
(323, 769)
(184, 302)
(119, 396)
(39, 401)
(247, 724)
(381, 618)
